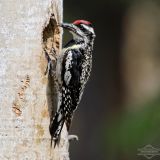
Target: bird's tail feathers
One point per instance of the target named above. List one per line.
(56, 126)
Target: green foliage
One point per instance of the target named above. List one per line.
(135, 130)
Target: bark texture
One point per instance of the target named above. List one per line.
(24, 123)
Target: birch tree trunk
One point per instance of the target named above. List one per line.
(27, 28)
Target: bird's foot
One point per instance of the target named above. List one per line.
(73, 137)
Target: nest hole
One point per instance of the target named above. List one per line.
(51, 41)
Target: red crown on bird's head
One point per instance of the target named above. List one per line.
(77, 22)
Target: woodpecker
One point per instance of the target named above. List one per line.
(73, 68)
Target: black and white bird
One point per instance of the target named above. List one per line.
(73, 68)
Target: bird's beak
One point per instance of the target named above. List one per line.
(72, 28)
(68, 26)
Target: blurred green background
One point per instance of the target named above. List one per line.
(120, 109)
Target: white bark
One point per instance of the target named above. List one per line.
(24, 123)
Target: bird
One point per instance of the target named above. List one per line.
(73, 68)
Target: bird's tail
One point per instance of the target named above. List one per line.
(56, 126)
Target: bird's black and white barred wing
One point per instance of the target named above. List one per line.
(71, 68)
(71, 89)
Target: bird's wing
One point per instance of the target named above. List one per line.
(71, 68)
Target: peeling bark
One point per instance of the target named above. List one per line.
(24, 104)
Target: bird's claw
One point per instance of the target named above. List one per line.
(73, 137)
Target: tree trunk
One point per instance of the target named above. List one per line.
(27, 28)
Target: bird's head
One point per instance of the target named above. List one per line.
(80, 29)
